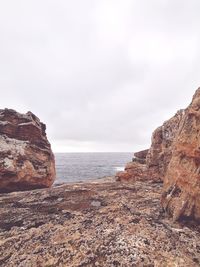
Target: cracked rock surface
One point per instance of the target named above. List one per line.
(94, 224)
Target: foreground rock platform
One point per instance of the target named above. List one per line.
(94, 224)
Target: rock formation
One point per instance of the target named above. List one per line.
(181, 193)
(104, 223)
(174, 157)
(152, 163)
(26, 159)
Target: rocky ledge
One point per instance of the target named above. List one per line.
(94, 224)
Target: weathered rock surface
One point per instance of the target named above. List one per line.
(152, 163)
(174, 157)
(160, 152)
(94, 224)
(26, 159)
(181, 196)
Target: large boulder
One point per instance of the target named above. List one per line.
(135, 170)
(26, 158)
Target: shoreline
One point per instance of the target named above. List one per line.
(103, 179)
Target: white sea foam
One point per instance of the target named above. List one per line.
(119, 169)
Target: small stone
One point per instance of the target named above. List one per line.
(96, 203)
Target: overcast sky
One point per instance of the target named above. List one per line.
(101, 74)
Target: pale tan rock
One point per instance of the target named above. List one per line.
(94, 224)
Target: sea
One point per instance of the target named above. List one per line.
(76, 167)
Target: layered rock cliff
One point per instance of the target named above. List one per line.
(26, 159)
(181, 193)
(174, 157)
(153, 163)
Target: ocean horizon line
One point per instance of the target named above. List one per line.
(93, 152)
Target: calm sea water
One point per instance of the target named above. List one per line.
(73, 167)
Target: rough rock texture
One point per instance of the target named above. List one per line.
(94, 224)
(181, 196)
(152, 163)
(174, 157)
(160, 152)
(134, 171)
(26, 159)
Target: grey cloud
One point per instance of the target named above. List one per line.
(101, 74)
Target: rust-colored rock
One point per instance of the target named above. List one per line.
(26, 159)
(174, 157)
(141, 156)
(160, 153)
(181, 193)
(152, 163)
(133, 171)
